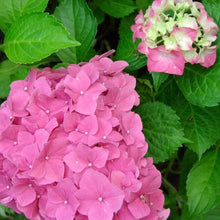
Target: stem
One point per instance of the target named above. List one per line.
(2, 47)
(217, 144)
(174, 172)
(173, 191)
(169, 166)
(167, 17)
(174, 16)
(183, 10)
(160, 41)
(169, 186)
(196, 44)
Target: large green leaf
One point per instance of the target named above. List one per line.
(201, 125)
(127, 49)
(203, 183)
(116, 8)
(10, 10)
(201, 86)
(162, 130)
(79, 20)
(35, 36)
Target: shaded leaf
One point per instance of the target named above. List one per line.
(143, 4)
(8, 70)
(186, 164)
(58, 65)
(20, 217)
(99, 14)
(79, 20)
(144, 89)
(158, 79)
(127, 49)
(116, 8)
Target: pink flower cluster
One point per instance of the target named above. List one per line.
(174, 32)
(71, 148)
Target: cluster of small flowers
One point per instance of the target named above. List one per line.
(174, 32)
(71, 148)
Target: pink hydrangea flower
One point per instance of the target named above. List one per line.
(71, 148)
(165, 61)
(61, 201)
(98, 197)
(174, 32)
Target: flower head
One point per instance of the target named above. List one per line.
(71, 148)
(182, 29)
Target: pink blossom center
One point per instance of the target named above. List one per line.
(100, 199)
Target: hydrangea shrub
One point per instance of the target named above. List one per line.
(71, 141)
(174, 32)
(71, 148)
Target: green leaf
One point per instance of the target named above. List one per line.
(35, 36)
(186, 164)
(201, 86)
(2, 211)
(213, 8)
(127, 49)
(210, 215)
(7, 213)
(79, 20)
(162, 130)
(58, 65)
(144, 89)
(91, 53)
(158, 79)
(9, 70)
(10, 10)
(213, 214)
(99, 14)
(20, 217)
(116, 8)
(143, 4)
(185, 215)
(203, 183)
(201, 125)
(4, 85)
